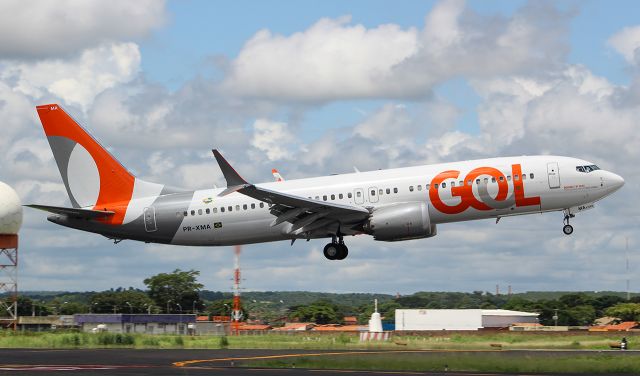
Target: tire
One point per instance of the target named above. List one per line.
(331, 251)
(344, 252)
(567, 229)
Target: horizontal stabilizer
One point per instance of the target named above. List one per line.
(74, 212)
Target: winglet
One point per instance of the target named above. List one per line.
(235, 182)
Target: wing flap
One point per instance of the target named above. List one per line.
(74, 212)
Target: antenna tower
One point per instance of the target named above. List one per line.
(9, 280)
(237, 311)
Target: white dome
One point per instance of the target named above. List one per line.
(10, 210)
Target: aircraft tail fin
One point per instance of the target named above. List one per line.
(92, 176)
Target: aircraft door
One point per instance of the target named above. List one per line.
(358, 196)
(373, 194)
(554, 175)
(150, 219)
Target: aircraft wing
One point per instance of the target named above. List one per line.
(304, 214)
(74, 212)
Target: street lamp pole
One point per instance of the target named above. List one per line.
(194, 307)
(130, 307)
(168, 301)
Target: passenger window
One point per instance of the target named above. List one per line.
(253, 206)
(435, 186)
(215, 210)
(524, 176)
(508, 177)
(199, 211)
(358, 194)
(208, 211)
(461, 183)
(444, 185)
(262, 204)
(380, 192)
(453, 183)
(486, 180)
(324, 197)
(340, 196)
(469, 182)
(373, 192)
(493, 180)
(427, 187)
(230, 208)
(237, 207)
(477, 181)
(244, 206)
(395, 190)
(317, 197)
(501, 178)
(350, 195)
(516, 177)
(222, 209)
(419, 187)
(185, 214)
(531, 175)
(388, 191)
(193, 212)
(333, 197)
(411, 188)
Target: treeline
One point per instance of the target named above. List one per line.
(179, 292)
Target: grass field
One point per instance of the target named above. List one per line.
(510, 362)
(311, 341)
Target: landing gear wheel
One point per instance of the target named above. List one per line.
(567, 229)
(344, 252)
(331, 251)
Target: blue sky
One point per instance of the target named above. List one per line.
(301, 87)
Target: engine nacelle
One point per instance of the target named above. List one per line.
(401, 222)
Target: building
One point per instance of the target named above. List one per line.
(459, 319)
(136, 323)
(42, 323)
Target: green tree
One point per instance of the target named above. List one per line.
(175, 292)
(121, 301)
(319, 312)
(625, 311)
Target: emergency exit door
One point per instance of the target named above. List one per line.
(554, 175)
(150, 219)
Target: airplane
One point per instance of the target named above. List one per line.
(390, 205)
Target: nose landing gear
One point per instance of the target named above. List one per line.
(567, 228)
(336, 250)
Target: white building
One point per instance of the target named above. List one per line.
(459, 319)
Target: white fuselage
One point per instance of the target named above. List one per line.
(491, 188)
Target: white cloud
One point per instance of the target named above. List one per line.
(333, 59)
(627, 43)
(46, 29)
(79, 79)
(273, 138)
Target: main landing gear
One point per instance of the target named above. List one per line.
(567, 228)
(336, 250)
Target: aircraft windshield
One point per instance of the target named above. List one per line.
(587, 169)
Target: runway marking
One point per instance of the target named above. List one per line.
(63, 367)
(284, 356)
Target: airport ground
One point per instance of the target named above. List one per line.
(291, 362)
(468, 354)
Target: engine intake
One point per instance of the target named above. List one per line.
(401, 222)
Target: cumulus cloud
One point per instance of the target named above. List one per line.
(627, 43)
(47, 29)
(334, 59)
(76, 80)
(273, 138)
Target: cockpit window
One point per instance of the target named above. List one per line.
(587, 169)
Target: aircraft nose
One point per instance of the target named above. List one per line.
(614, 181)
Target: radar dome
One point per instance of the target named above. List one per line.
(10, 210)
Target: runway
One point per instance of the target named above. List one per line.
(191, 362)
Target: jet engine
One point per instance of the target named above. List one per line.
(409, 220)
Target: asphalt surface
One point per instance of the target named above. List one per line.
(124, 362)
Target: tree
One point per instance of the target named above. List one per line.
(175, 292)
(121, 301)
(320, 312)
(625, 311)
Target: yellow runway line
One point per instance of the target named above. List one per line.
(342, 353)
